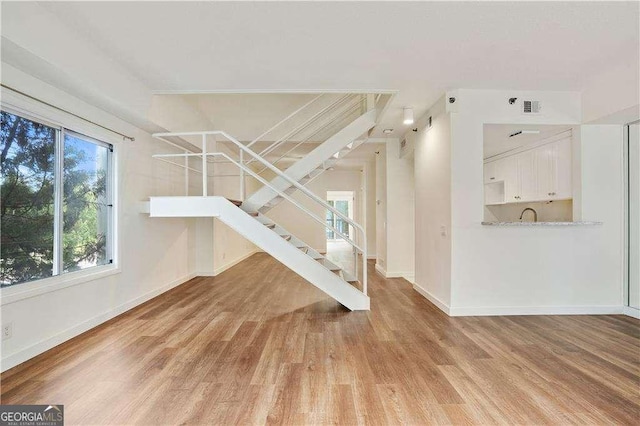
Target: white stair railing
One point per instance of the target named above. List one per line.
(244, 168)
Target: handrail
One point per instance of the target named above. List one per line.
(302, 126)
(285, 119)
(265, 182)
(277, 171)
(319, 130)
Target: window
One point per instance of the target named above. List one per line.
(337, 222)
(55, 195)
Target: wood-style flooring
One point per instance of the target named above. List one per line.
(258, 345)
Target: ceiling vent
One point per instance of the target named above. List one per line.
(530, 107)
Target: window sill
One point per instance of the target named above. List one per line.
(47, 285)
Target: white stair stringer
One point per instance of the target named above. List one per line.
(311, 176)
(289, 252)
(313, 161)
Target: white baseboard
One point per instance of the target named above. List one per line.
(433, 299)
(221, 269)
(26, 354)
(632, 312)
(409, 276)
(522, 310)
(534, 310)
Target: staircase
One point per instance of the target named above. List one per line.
(247, 216)
(315, 163)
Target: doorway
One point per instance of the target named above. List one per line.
(632, 257)
(340, 251)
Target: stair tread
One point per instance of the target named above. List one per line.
(270, 225)
(238, 203)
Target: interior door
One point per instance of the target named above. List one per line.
(634, 215)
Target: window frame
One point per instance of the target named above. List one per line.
(60, 279)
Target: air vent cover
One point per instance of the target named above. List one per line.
(530, 107)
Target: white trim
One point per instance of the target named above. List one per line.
(221, 269)
(46, 285)
(23, 355)
(380, 270)
(410, 277)
(631, 312)
(433, 299)
(399, 274)
(535, 310)
(407, 275)
(273, 91)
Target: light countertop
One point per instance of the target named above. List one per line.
(578, 223)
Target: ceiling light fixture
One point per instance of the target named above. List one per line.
(525, 132)
(408, 116)
(387, 131)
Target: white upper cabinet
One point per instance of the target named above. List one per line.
(542, 173)
(490, 172)
(527, 176)
(563, 173)
(554, 171)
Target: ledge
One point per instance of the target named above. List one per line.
(534, 224)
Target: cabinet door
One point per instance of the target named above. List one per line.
(508, 168)
(527, 176)
(546, 164)
(563, 170)
(490, 172)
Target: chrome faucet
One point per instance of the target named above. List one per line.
(535, 214)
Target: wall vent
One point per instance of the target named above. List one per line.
(530, 107)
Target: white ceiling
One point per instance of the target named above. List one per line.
(419, 49)
(497, 140)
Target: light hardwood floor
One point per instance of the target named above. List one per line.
(258, 345)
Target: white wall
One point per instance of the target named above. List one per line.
(381, 210)
(154, 254)
(34, 40)
(521, 270)
(433, 206)
(370, 195)
(613, 95)
(400, 222)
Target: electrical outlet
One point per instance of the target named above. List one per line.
(7, 331)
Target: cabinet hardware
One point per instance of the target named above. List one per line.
(491, 178)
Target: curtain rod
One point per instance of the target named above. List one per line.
(68, 112)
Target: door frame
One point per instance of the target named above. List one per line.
(627, 309)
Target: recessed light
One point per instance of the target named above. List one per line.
(387, 131)
(408, 116)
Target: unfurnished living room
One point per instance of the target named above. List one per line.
(304, 213)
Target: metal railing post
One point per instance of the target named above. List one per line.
(204, 165)
(364, 262)
(242, 193)
(186, 175)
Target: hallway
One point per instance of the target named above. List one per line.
(258, 345)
